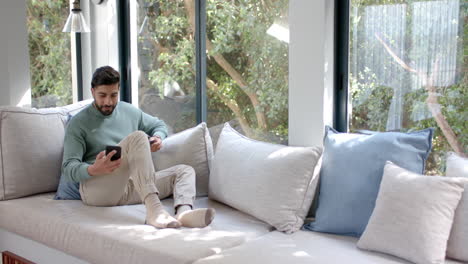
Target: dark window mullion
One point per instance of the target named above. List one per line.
(79, 67)
(341, 64)
(123, 18)
(200, 47)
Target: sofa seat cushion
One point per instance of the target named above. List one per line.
(302, 247)
(118, 235)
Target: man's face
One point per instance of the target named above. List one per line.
(106, 97)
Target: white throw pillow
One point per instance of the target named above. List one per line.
(31, 147)
(413, 215)
(274, 183)
(458, 242)
(457, 166)
(191, 147)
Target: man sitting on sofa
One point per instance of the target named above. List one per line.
(132, 178)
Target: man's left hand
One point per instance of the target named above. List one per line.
(156, 145)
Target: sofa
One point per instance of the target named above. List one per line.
(43, 230)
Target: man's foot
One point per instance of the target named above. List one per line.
(196, 218)
(156, 215)
(162, 219)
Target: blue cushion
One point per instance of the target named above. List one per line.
(352, 168)
(67, 190)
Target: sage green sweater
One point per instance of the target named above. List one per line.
(89, 132)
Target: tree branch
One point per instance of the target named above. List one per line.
(394, 56)
(227, 67)
(232, 104)
(235, 75)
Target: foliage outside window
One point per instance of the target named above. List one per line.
(247, 68)
(49, 53)
(166, 61)
(408, 71)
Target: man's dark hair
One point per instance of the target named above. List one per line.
(105, 75)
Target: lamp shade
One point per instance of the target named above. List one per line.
(76, 22)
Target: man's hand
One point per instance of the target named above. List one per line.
(103, 164)
(157, 144)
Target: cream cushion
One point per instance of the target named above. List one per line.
(413, 215)
(457, 166)
(458, 242)
(274, 183)
(31, 147)
(191, 147)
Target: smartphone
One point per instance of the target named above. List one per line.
(117, 155)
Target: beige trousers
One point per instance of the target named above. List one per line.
(136, 178)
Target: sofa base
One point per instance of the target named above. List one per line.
(8, 257)
(33, 251)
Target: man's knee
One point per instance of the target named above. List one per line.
(140, 135)
(186, 170)
(135, 138)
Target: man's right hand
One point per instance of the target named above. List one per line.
(103, 164)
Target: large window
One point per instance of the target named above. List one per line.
(247, 67)
(246, 64)
(165, 68)
(49, 53)
(408, 71)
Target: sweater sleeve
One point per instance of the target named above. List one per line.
(73, 167)
(153, 126)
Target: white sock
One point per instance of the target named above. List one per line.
(156, 215)
(196, 218)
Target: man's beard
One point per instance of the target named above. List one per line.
(105, 109)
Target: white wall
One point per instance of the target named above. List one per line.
(100, 46)
(104, 34)
(15, 81)
(310, 70)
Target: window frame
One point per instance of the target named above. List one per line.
(341, 122)
(123, 28)
(79, 67)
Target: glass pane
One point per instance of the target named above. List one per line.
(408, 72)
(49, 53)
(166, 62)
(247, 67)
